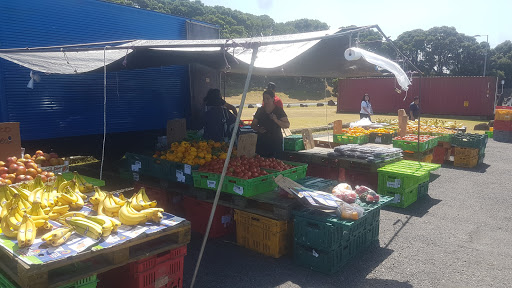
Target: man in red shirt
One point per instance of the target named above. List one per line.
(277, 100)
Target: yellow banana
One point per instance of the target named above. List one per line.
(106, 224)
(128, 216)
(13, 222)
(58, 233)
(36, 209)
(53, 216)
(128, 222)
(79, 202)
(58, 181)
(47, 225)
(157, 218)
(33, 195)
(100, 209)
(121, 197)
(21, 237)
(24, 193)
(115, 222)
(39, 222)
(110, 205)
(85, 227)
(62, 240)
(74, 214)
(63, 186)
(134, 202)
(30, 233)
(60, 209)
(6, 229)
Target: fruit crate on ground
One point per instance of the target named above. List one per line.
(464, 152)
(503, 113)
(328, 231)
(423, 189)
(467, 162)
(402, 198)
(381, 138)
(293, 143)
(421, 157)
(412, 145)
(264, 235)
(402, 175)
(469, 140)
(502, 125)
(198, 213)
(297, 172)
(162, 270)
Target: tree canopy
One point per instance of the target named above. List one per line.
(437, 51)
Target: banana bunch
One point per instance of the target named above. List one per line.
(130, 216)
(57, 211)
(110, 206)
(85, 227)
(83, 186)
(69, 197)
(140, 200)
(26, 232)
(9, 223)
(38, 216)
(32, 185)
(97, 198)
(108, 224)
(58, 236)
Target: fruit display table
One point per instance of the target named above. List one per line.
(28, 271)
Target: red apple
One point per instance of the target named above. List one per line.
(31, 172)
(8, 181)
(11, 160)
(19, 179)
(4, 170)
(44, 178)
(40, 159)
(50, 174)
(20, 163)
(39, 153)
(10, 177)
(53, 161)
(31, 165)
(21, 170)
(28, 178)
(39, 170)
(2, 164)
(44, 173)
(46, 156)
(27, 156)
(12, 168)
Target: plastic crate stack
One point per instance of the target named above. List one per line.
(293, 143)
(324, 242)
(405, 181)
(469, 149)
(502, 130)
(264, 235)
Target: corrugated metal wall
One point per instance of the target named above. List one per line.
(461, 96)
(71, 105)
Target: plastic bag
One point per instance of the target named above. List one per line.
(344, 192)
(350, 211)
(369, 197)
(361, 189)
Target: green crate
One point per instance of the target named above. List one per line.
(349, 139)
(206, 180)
(380, 138)
(249, 187)
(490, 134)
(423, 189)
(154, 167)
(402, 198)
(337, 138)
(470, 140)
(297, 172)
(411, 145)
(318, 184)
(328, 231)
(325, 261)
(293, 143)
(401, 176)
(5, 283)
(88, 282)
(184, 173)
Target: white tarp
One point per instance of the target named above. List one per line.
(314, 54)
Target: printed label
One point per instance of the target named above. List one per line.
(136, 176)
(211, 183)
(396, 199)
(188, 169)
(238, 189)
(179, 176)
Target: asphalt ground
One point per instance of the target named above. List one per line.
(457, 236)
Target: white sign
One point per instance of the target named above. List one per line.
(211, 183)
(188, 169)
(238, 189)
(179, 176)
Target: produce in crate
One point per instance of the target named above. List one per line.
(414, 138)
(246, 168)
(355, 131)
(344, 192)
(194, 153)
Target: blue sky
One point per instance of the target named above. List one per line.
(394, 17)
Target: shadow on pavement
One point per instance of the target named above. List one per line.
(416, 209)
(225, 264)
(482, 168)
(433, 177)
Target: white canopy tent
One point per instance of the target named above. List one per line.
(315, 54)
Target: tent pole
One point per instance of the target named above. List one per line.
(104, 110)
(226, 162)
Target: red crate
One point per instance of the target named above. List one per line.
(198, 213)
(164, 270)
(440, 154)
(502, 125)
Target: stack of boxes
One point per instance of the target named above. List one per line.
(502, 131)
(469, 149)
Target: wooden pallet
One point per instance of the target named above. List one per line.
(270, 204)
(90, 262)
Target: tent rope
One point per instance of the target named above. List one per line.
(67, 60)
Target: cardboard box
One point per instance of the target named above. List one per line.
(176, 130)
(10, 140)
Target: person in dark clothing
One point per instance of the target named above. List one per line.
(277, 100)
(414, 109)
(218, 120)
(267, 122)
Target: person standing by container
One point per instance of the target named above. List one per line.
(366, 108)
(414, 109)
(268, 122)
